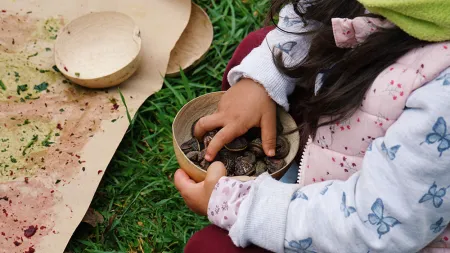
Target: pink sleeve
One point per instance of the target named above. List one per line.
(225, 200)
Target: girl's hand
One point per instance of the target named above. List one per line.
(243, 106)
(197, 195)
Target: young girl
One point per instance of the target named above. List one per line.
(369, 83)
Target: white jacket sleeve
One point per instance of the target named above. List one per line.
(259, 65)
(398, 202)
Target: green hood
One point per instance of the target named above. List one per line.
(427, 20)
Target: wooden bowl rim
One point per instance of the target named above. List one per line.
(136, 36)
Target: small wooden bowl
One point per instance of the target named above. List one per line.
(193, 44)
(206, 105)
(99, 50)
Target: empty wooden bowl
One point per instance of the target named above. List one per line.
(99, 50)
(206, 105)
(193, 44)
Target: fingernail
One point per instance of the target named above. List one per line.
(208, 158)
(272, 152)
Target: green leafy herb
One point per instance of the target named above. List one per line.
(5, 140)
(56, 69)
(13, 160)
(61, 110)
(3, 150)
(2, 85)
(114, 120)
(43, 70)
(48, 49)
(22, 88)
(26, 122)
(33, 55)
(77, 74)
(31, 143)
(57, 181)
(17, 75)
(46, 142)
(41, 87)
(22, 100)
(65, 81)
(54, 37)
(57, 134)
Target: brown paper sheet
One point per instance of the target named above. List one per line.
(56, 139)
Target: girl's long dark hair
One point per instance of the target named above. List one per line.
(349, 72)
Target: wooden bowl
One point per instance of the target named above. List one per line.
(193, 44)
(99, 50)
(206, 105)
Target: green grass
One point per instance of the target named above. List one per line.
(143, 211)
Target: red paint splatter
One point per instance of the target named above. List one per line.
(445, 47)
(115, 107)
(3, 11)
(392, 82)
(391, 69)
(3, 233)
(26, 180)
(65, 68)
(344, 158)
(333, 159)
(348, 127)
(358, 120)
(5, 212)
(422, 66)
(9, 97)
(43, 227)
(445, 238)
(59, 126)
(401, 94)
(399, 85)
(52, 191)
(354, 164)
(30, 231)
(17, 243)
(342, 128)
(30, 250)
(100, 171)
(394, 97)
(346, 170)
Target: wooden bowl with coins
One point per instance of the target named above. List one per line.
(244, 157)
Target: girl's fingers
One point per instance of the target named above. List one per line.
(182, 181)
(208, 123)
(224, 136)
(269, 133)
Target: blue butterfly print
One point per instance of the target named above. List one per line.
(436, 196)
(348, 210)
(299, 195)
(377, 218)
(439, 135)
(390, 152)
(290, 22)
(302, 246)
(446, 79)
(287, 47)
(437, 227)
(324, 190)
(369, 148)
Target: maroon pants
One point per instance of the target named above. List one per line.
(213, 239)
